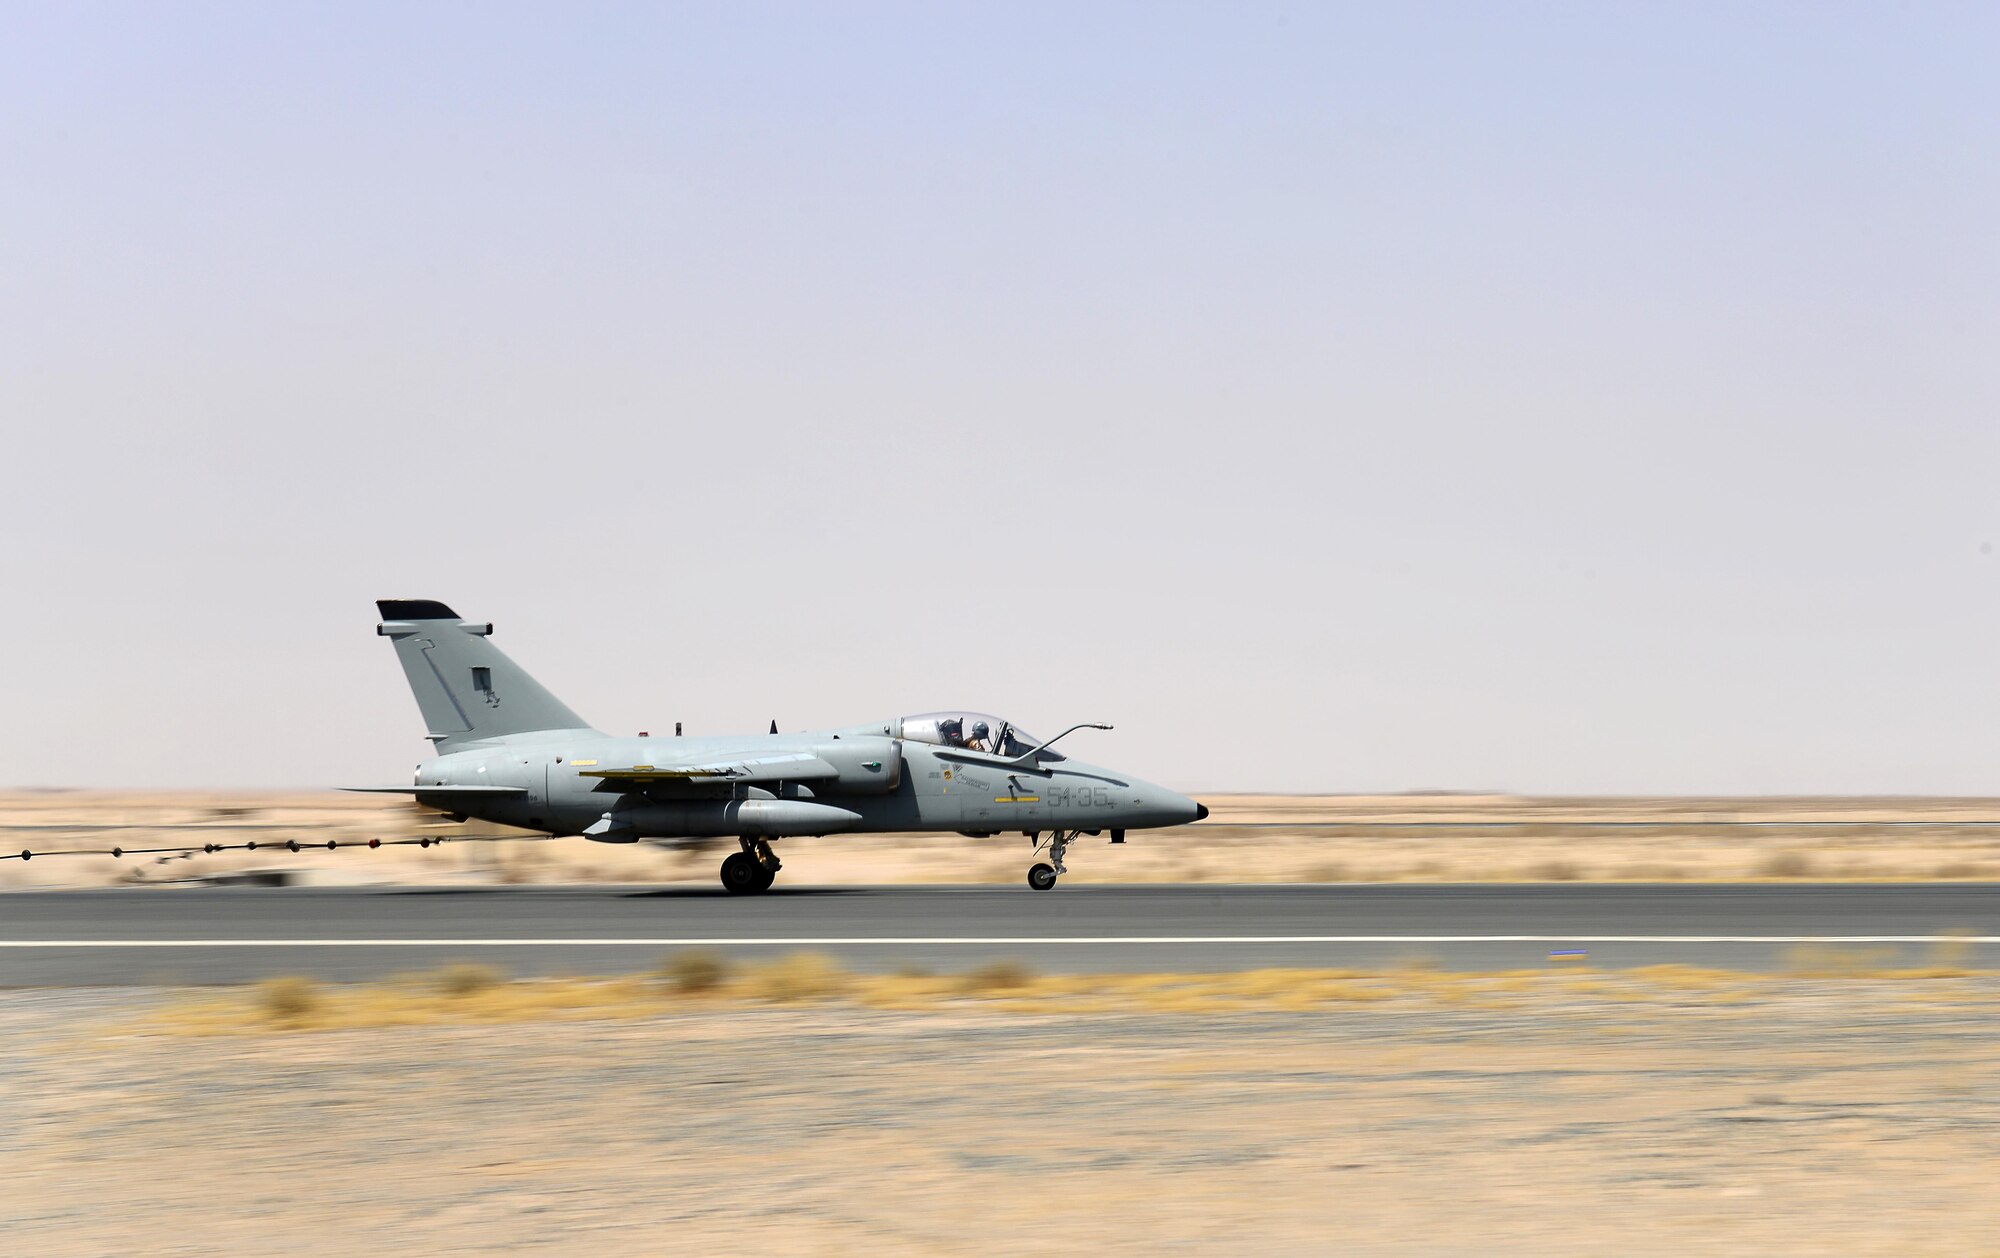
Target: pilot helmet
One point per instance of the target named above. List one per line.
(979, 729)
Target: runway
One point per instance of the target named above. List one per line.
(161, 936)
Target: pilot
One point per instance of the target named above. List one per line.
(978, 740)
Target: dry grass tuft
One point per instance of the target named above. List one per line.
(1349, 991)
(1556, 871)
(1830, 961)
(694, 971)
(1954, 949)
(902, 991)
(465, 978)
(480, 995)
(797, 976)
(1963, 870)
(1652, 871)
(995, 976)
(1787, 865)
(288, 1000)
(1687, 978)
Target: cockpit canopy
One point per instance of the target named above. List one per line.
(973, 731)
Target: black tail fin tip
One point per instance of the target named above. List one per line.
(414, 609)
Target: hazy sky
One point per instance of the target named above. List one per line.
(1584, 397)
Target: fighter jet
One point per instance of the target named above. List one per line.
(509, 752)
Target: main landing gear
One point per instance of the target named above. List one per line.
(751, 870)
(1042, 874)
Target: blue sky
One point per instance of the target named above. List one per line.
(1548, 397)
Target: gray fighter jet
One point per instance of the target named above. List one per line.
(510, 752)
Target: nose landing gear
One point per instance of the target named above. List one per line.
(1042, 875)
(751, 870)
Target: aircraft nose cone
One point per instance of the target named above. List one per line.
(1201, 812)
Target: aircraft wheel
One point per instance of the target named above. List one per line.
(741, 875)
(1041, 876)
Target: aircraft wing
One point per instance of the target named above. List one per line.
(779, 767)
(468, 792)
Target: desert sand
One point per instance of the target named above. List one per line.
(1568, 1113)
(1249, 838)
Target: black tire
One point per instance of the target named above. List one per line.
(1042, 876)
(741, 875)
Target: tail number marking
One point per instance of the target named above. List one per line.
(1078, 796)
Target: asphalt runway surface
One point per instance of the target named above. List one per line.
(170, 936)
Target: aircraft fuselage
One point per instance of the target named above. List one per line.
(913, 787)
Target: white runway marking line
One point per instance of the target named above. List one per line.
(992, 940)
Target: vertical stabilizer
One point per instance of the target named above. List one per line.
(466, 687)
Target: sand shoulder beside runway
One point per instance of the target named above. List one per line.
(1577, 1115)
(1250, 838)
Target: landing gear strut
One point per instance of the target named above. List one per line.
(1042, 875)
(751, 870)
